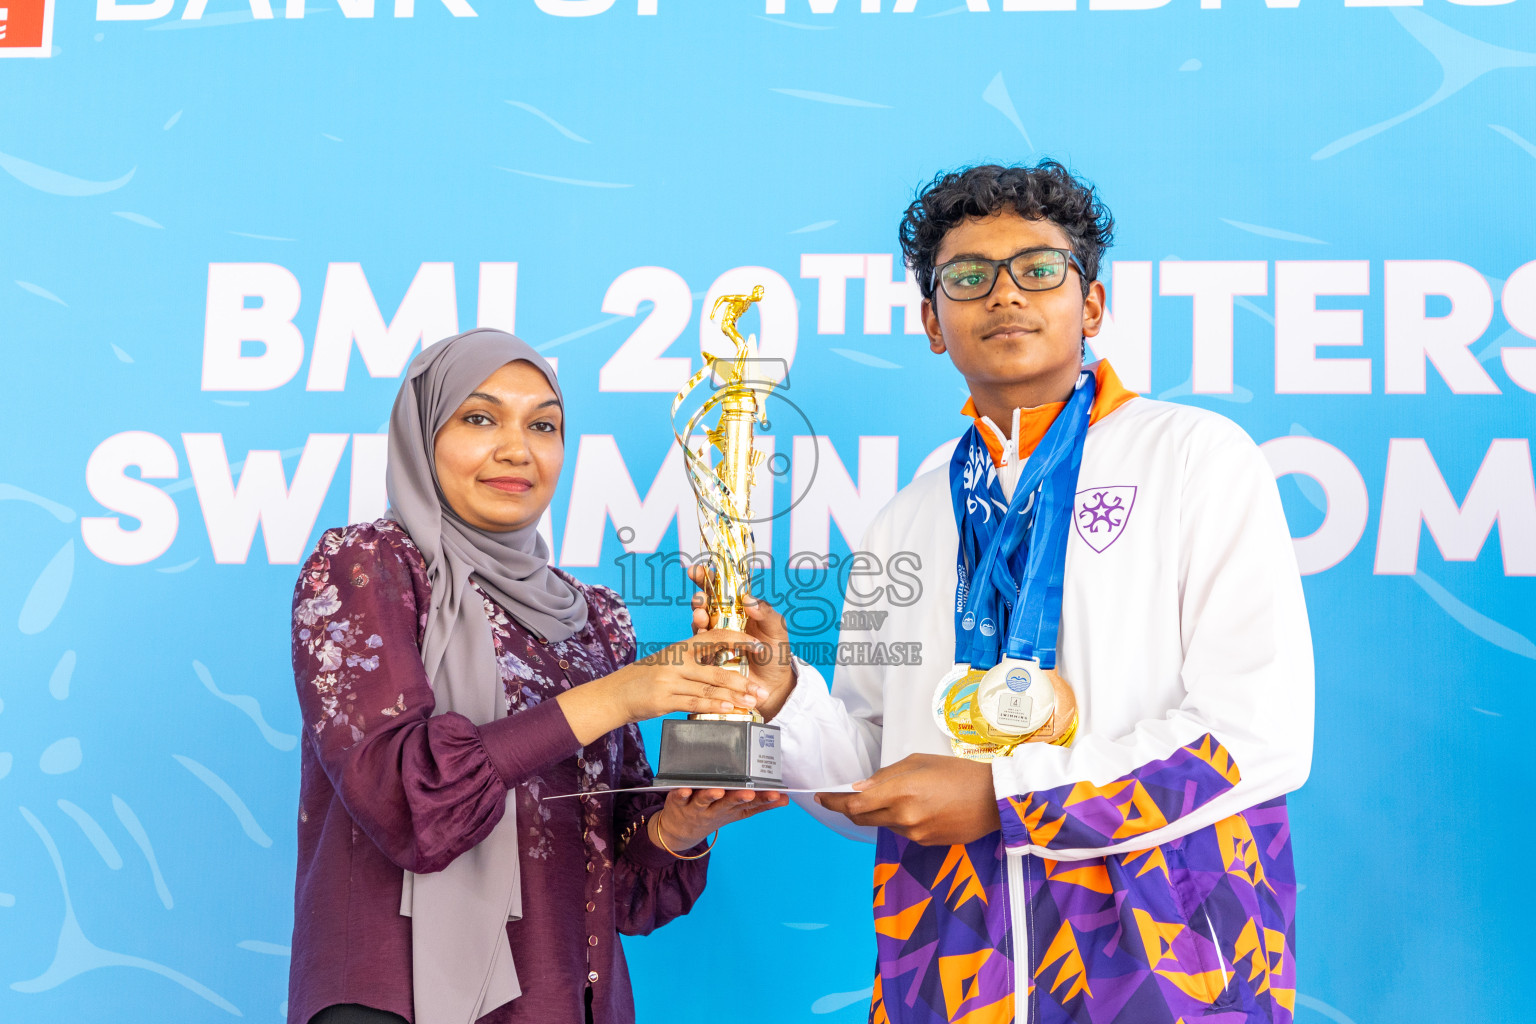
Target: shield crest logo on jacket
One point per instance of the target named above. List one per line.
(1100, 514)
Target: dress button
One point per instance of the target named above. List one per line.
(589, 867)
(591, 975)
(591, 906)
(591, 940)
(564, 663)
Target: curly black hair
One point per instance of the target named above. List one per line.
(1046, 191)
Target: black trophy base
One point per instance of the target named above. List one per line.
(717, 754)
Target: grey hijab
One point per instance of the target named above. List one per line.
(461, 964)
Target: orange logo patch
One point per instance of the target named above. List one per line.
(26, 28)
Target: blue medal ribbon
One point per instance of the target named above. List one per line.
(1013, 555)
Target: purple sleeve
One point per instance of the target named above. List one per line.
(423, 788)
(1085, 816)
(651, 886)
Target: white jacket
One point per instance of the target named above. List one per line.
(1151, 860)
(1182, 616)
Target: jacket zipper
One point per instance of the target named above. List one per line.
(1018, 924)
(1221, 961)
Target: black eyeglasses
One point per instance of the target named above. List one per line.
(1034, 270)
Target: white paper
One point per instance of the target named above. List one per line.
(846, 787)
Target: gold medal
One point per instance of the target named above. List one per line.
(988, 714)
(952, 703)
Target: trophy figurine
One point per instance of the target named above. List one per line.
(734, 749)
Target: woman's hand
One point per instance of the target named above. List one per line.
(772, 668)
(682, 677)
(690, 815)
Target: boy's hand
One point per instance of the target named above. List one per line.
(930, 799)
(771, 665)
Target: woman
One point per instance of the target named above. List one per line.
(450, 678)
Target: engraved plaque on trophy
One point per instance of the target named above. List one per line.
(735, 749)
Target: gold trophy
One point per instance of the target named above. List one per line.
(734, 749)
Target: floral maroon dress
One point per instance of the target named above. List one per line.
(386, 786)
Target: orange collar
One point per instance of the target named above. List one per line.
(1109, 395)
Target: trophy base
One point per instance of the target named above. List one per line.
(719, 754)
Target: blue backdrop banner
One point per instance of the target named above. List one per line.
(228, 225)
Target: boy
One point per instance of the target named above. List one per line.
(1131, 861)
